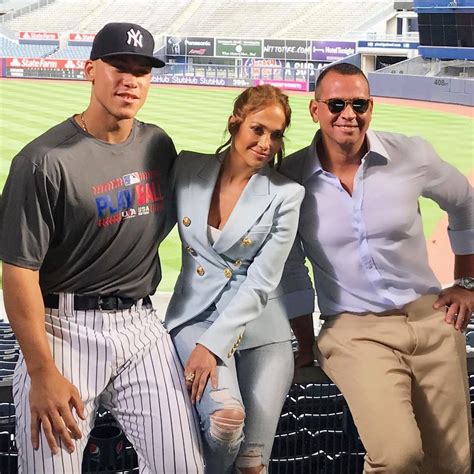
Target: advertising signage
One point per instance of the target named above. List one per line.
(278, 69)
(266, 68)
(299, 50)
(38, 36)
(189, 46)
(238, 48)
(331, 50)
(285, 85)
(201, 81)
(199, 46)
(44, 68)
(388, 44)
(45, 63)
(81, 37)
(175, 46)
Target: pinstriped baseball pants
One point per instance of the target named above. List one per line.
(125, 361)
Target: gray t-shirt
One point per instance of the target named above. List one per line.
(87, 214)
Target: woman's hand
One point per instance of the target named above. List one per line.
(200, 365)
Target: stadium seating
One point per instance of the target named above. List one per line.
(301, 19)
(318, 19)
(11, 48)
(158, 17)
(325, 19)
(334, 20)
(52, 17)
(90, 16)
(232, 19)
(72, 52)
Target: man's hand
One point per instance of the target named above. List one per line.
(202, 363)
(52, 398)
(460, 305)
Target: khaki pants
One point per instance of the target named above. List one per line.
(404, 377)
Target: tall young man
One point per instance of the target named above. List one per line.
(83, 209)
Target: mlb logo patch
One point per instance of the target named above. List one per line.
(132, 178)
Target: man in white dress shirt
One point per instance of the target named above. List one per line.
(392, 340)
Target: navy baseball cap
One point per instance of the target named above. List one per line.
(124, 38)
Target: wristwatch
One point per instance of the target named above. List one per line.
(465, 282)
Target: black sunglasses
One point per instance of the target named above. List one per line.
(336, 106)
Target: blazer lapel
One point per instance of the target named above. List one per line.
(254, 200)
(202, 191)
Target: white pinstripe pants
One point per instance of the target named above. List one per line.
(124, 360)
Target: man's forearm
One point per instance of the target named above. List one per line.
(464, 266)
(25, 310)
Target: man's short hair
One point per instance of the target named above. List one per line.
(345, 69)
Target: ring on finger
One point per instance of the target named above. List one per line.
(189, 377)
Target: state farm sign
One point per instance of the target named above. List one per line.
(45, 63)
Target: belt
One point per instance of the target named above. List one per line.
(103, 303)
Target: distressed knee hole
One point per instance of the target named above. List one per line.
(227, 424)
(251, 458)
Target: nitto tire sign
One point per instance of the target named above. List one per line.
(238, 48)
(287, 49)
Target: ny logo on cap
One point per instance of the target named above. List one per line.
(136, 37)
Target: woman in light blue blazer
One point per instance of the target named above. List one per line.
(237, 219)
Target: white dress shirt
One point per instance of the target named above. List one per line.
(368, 250)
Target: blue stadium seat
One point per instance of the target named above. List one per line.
(470, 339)
(10, 48)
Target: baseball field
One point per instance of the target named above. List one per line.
(196, 117)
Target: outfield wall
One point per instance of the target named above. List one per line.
(215, 75)
(406, 86)
(433, 89)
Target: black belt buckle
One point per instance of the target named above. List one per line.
(104, 304)
(113, 303)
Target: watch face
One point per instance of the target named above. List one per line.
(466, 282)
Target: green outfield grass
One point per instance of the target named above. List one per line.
(196, 118)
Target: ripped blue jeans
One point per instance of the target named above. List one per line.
(255, 381)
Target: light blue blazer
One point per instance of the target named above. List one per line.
(240, 272)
